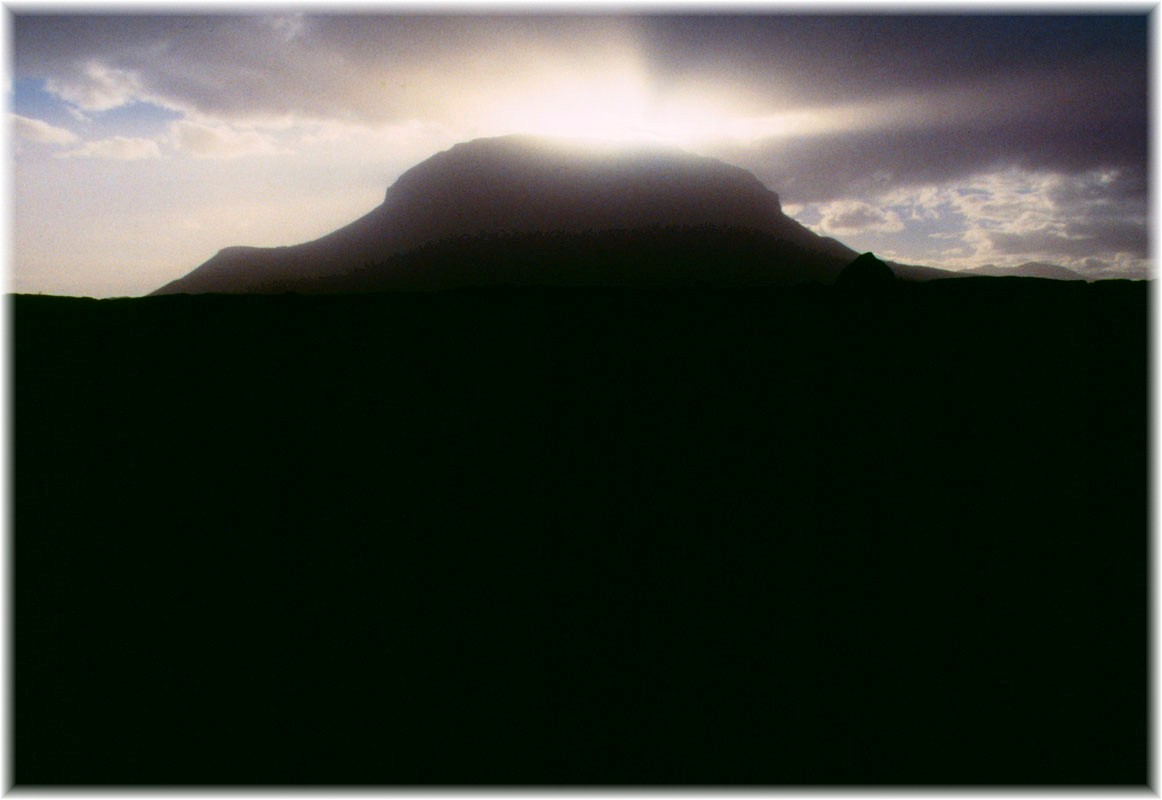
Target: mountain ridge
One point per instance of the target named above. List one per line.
(521, 185)
(530, 210)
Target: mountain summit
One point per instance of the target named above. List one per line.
(530, 210)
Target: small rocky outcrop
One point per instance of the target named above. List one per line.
(866, 272)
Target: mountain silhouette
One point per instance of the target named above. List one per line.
(539, 211)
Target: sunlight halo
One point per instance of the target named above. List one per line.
(619, 105)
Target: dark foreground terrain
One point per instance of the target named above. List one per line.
(798, 536)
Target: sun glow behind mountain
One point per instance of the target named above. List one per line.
(619, 104)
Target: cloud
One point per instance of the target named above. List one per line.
(96, 86)
(218, 141)
(839, 99)
(853, 162)
(35, 130)
(1095, 268)
(832, 60)
(1073, 240)
(288, 26)
(356, 68)
(854, 216)
(1012, 216)
(119, 148)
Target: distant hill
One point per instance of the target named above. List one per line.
(1030, 269)
(528, 210)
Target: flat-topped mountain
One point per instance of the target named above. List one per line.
(535, 211)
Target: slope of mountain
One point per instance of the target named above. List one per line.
(914, 272)
(503, 210)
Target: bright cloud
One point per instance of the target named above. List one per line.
(854, 216)
(35, 130)
(219, 141)
(119, 148)
(96, 86)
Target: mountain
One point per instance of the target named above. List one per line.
(537, 211)
(1030, 269)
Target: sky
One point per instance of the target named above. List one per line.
(143, 144)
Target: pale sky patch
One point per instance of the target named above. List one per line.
(288, 26)
(219, 141)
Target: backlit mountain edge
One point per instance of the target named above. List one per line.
(520, 210)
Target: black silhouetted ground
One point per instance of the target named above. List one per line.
(596, 537)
